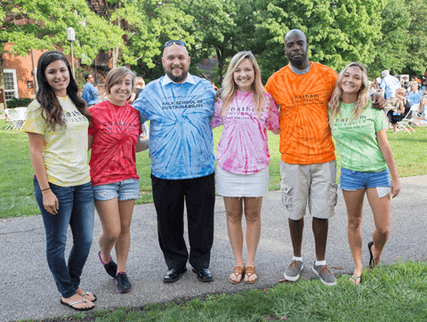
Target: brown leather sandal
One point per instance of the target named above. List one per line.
(250, 270)
(238, 272)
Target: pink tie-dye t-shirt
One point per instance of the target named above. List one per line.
(243, 147)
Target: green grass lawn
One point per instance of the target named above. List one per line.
(16, 188)
(387, 293)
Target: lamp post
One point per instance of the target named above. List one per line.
(71, 37)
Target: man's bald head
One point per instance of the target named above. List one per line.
(295, 32)
(296, 48)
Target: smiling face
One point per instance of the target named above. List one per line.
(296, 48)
(244, 75)
(414, 87)
(58, 77)
(176, 62)
(352, 81)
(120, 91)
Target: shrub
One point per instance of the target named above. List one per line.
(18, 102)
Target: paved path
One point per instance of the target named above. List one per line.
(28, 291)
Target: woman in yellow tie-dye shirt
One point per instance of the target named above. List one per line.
(57, 127)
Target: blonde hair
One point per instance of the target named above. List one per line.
(230, 87)
(139, 81)
(117, 74)
(362, 95)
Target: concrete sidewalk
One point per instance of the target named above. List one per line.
(28, 290)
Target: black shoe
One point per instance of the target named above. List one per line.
(123, 284)
(110, 267)
(173, 275)
(204, 275)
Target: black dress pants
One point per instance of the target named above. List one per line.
(199, 197)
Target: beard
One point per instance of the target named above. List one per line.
(298, 61)
(177, 79)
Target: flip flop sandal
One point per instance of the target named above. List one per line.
(71, 305)
(93, 299)
(237, 271)
(249, 271)
(353, 279)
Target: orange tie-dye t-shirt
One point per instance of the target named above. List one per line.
(305, 136)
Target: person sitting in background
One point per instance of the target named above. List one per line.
(420, 119)
(400, 109)
(423, 85)
(405, 82)
(139, 85)
(373, 87)
(90, 93)
(415, 94)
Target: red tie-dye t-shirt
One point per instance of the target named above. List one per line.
(305, 136)
(115, 130)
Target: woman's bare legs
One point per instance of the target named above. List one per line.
(381, 208)
(123, 241)
(253, 231)
(233, 209)
(108, 211)
(115, 218)
(354, 204)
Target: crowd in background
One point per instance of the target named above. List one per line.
(405, 98)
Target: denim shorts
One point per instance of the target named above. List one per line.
(125, 190)
(353, 180)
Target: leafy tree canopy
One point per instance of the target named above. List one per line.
(47, 23)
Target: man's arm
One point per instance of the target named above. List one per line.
(378, 101)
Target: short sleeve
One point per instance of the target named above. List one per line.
(139, 106)
(35, 123)
(216, 120)
(91, 128)
(273, 117)
(380, 120)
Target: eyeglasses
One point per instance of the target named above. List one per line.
(177, 42)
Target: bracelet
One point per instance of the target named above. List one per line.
(45, 189)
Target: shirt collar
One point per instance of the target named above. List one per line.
(189, 79)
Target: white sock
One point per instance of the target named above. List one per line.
(297, 259)
(320, 263)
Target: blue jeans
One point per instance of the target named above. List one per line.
(76, 208)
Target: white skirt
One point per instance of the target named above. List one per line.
(230, 184)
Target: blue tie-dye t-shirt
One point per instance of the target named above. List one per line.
(181, 142)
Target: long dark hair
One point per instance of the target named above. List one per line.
(51, 108)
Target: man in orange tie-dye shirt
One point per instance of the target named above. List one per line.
(308, 167)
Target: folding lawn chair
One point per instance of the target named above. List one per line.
(404, 124)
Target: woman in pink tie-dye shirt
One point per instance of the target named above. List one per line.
(246, 110)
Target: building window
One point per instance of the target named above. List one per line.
(10, 84)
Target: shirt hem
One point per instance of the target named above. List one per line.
(182, 178)
(305, 162)
(97, 183)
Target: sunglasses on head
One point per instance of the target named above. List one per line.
(171, 42)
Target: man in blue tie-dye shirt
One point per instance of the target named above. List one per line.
(179, 107)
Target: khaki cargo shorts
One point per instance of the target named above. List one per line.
(313, 184)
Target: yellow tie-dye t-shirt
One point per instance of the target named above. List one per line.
(64, 149)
